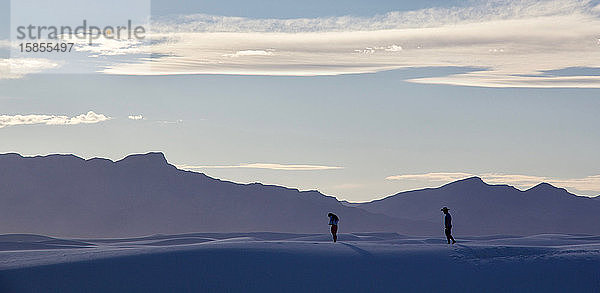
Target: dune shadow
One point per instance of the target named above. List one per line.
(359, 250)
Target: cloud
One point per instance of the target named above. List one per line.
(348, 186)
(588, 184)
(509, 43)
(250, 53)
(135, 117)
(170, 121)
(110, 47)
(393, 48)
(5, 44)
(13, 68)
(88, 118)
(265, 166)
(479, 11)
(436, 177)
(503, 43)
(77, 60)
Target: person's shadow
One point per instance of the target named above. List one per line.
(360, 251)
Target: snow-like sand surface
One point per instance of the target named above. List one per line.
(280, 262)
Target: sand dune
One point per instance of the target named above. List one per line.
(286, 262)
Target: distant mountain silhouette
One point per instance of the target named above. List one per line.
(64, 195)
(478, 208)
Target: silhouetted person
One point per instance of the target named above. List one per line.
(448, 225)
(333, 221)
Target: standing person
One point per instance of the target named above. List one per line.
(333, 221)
(448, 225)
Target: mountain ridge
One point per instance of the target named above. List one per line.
(143, 194)
(481, 208)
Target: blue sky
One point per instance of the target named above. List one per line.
(357, 123)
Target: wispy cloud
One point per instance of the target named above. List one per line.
(135, 117)
(436, 177)
(510, 42)
(478, 11)
(178, 121)
(264, 166)
(243, 53)
(32, 119)
(110, 47)
(348, 186)
(12, 68)
(4, 44)
(501, 43)
(589, 183)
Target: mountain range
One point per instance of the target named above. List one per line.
(478, 208)
(142, 194)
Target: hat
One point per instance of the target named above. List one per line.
(444, 209)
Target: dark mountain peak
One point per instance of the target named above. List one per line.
(472, 180)
(468, 182)
(59, 157)
(14, 158)
(10, 155)
(545, 187)
(148, 159)
(143, 194)
(99, 161)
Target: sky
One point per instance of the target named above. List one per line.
(357, 99)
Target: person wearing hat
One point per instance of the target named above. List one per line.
(448, 225)
(333, 222)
